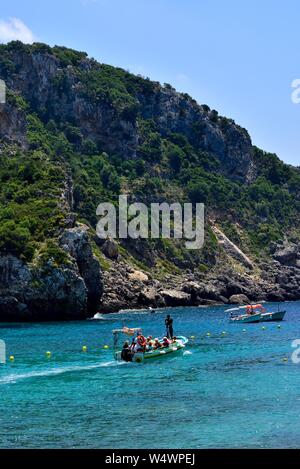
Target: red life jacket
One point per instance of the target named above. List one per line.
(141, 341)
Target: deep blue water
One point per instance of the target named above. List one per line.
(224, 391)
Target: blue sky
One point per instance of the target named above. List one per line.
(239, 57)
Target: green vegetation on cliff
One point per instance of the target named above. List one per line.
(93, 131)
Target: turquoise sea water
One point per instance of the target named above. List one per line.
(223, 391)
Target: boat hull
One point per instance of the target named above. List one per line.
(254, 318)
(158, 353)
(269, 317)
(173, 348)
(259, 317)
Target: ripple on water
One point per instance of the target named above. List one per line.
(218, 386)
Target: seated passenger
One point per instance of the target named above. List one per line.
(149, 346)
(166, 342)
(140, 344)
(126, 353)
(157, 344)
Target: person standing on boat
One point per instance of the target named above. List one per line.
(169, 326)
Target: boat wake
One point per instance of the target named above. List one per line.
(98, 317)
(13, 378)
(137, 311)
(114, 316)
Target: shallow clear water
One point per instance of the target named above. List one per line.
(223, 391)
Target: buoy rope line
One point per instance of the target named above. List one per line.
(84, 348)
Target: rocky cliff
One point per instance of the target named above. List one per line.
(64, 93)
(47, 291)
(74, 133)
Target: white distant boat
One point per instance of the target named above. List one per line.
(254, 314)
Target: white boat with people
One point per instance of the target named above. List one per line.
(130, 345)
(254, 314)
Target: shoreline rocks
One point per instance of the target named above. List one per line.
(51, 292)
(125, 290)
(80, 289)
(239, 300)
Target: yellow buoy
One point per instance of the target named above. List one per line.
(208, 334)
(263, 328)
(285, 359)
(48, 354)
(12, 358)
(106, 346)
(84, 348)
(192, 337)
(224, 333)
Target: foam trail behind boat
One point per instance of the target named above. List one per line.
(13, 378)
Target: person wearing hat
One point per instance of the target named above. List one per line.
(166, 342)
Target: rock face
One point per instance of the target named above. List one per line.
(139, 276)
(40, 294)
(239, 300)
(287, 255)
(13, 125)
(79, 288)
(176, 298)
(110, 249)
(151, 297)
(178, 113)
(40, 71)
(277, 283)
(52, 292)
(75, 241)
(89, 105)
